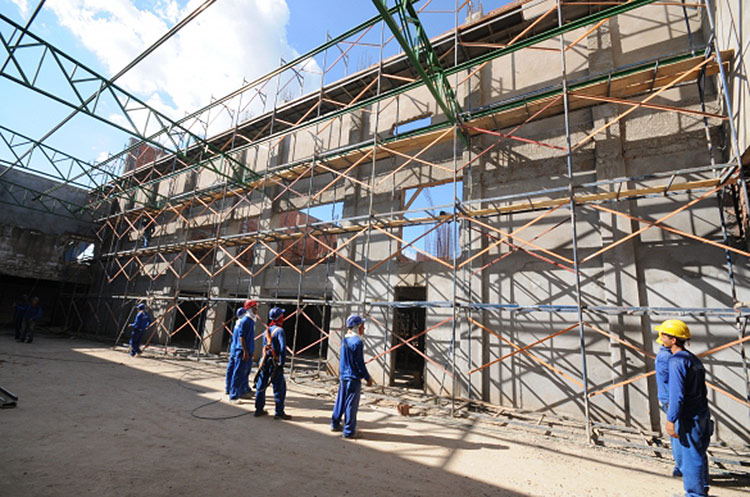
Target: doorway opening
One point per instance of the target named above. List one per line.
(189, 319)
(408, 365)
(310, 340)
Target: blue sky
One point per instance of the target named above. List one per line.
(231, 40)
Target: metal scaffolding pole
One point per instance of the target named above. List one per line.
(573, 227)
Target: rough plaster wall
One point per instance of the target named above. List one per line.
(652, 30)
(40, 221)
(32, 254)
(732, 31)
(32, 242)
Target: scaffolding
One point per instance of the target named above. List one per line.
(304, 205)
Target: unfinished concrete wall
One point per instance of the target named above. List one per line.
(512, 294)
(732, 18)
(33, 240)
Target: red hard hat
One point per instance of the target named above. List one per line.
(250, 304)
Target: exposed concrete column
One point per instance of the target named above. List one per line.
(344, 276)
(620, 272)
(473, 288)
(214, 324)
(213, 328)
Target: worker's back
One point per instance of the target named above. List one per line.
(686, 372)
(352, 366)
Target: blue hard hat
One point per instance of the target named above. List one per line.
(240, 312)
(141, 306)
(354, 320)
(276, 313)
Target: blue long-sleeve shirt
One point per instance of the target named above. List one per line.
(662, 374)
(20, 310)
(243, 328)
(687, 387)
(142, 321)
(32, 312)
(278, 340)
(352, 363)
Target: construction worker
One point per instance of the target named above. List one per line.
(251, 307)
(139, 325)
(30, 316)
(662, 385)
(18, 314)
(241, 356)
(352, 371)
(271, 367)
(688, 418)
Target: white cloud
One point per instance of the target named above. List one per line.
(23, 6)
(229, 41)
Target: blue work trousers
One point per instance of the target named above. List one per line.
(238, 372)
(135, 341)
(18, 322)
(27, 329)
(695, 435)
(275, 376)
(347, 404)
(676, 454)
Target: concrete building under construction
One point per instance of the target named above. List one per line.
(513, 205)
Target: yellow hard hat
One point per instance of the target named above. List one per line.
(673, 327)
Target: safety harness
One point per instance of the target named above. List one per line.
(268, 348)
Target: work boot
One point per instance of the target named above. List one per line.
(260, 413)
(282, 416)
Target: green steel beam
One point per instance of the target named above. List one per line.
(67, 168)
(418, 49)
(37, 56)
(249, 86)
(171, 32)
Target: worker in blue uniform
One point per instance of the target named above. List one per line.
(688, 418)
(662, 386)
(271, 367)
(30, 316)
(241, 355)
(139, 325)
(352, 371)
(251, 307)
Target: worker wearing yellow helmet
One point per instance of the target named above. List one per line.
(661, 365)
(688, 418)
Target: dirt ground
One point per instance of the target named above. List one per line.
(94, 421)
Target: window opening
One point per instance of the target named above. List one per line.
(327, 214)
(438, 241)
(416, 123)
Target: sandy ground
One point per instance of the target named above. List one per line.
(93, 421)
